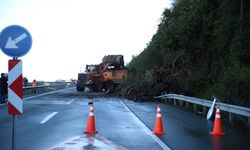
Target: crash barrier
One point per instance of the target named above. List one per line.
(232, 110)
(44, 88)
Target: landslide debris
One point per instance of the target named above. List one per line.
(201, 49)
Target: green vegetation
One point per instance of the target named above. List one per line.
(201, 49)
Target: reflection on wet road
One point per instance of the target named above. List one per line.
(89, 142)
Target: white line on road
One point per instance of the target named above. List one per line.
(2, 104)
(70, 101)
(48, 117)
(149, 132)
(43, 94)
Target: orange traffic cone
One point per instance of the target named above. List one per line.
(217, 123)
(158, 123)
(91, 121)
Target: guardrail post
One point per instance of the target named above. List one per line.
(230, 117)
(248, 120)
(181, 103)
(166, 100)
(187, 105)
(204, 110)
(195, 108)
(175, 102)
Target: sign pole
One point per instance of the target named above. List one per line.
(14, 127)
(14, 132)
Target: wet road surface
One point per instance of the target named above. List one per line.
(51, 121)
(57, 121)
(187, 130)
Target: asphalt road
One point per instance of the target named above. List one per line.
(55, 120)
(187, 130)
(58, 120)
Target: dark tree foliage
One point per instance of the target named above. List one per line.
(201, 48)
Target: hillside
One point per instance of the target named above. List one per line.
(201, 49)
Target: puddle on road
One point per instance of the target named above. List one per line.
(89, 142)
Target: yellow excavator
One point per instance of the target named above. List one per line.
(104, 76)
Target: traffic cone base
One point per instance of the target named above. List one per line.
(217, 133)
(89, 132)
(159, 132)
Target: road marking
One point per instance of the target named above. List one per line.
(3, 104)
(149, 132)
(48, 117)
(39, 95)
(45, 102)
(70, 101)
(43, 94)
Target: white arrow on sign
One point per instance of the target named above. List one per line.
(12, 43)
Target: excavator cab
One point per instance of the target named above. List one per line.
(81, 80)
(90, 78)
(92, 68)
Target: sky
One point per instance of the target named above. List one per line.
(68, 34)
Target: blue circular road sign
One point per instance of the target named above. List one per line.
(15, 41)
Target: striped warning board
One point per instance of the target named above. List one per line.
(15, 89)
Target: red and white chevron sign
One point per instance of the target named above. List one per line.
(15, 90)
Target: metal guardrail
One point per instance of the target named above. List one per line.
(244, 111)
(231, 109)
(44, 88)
